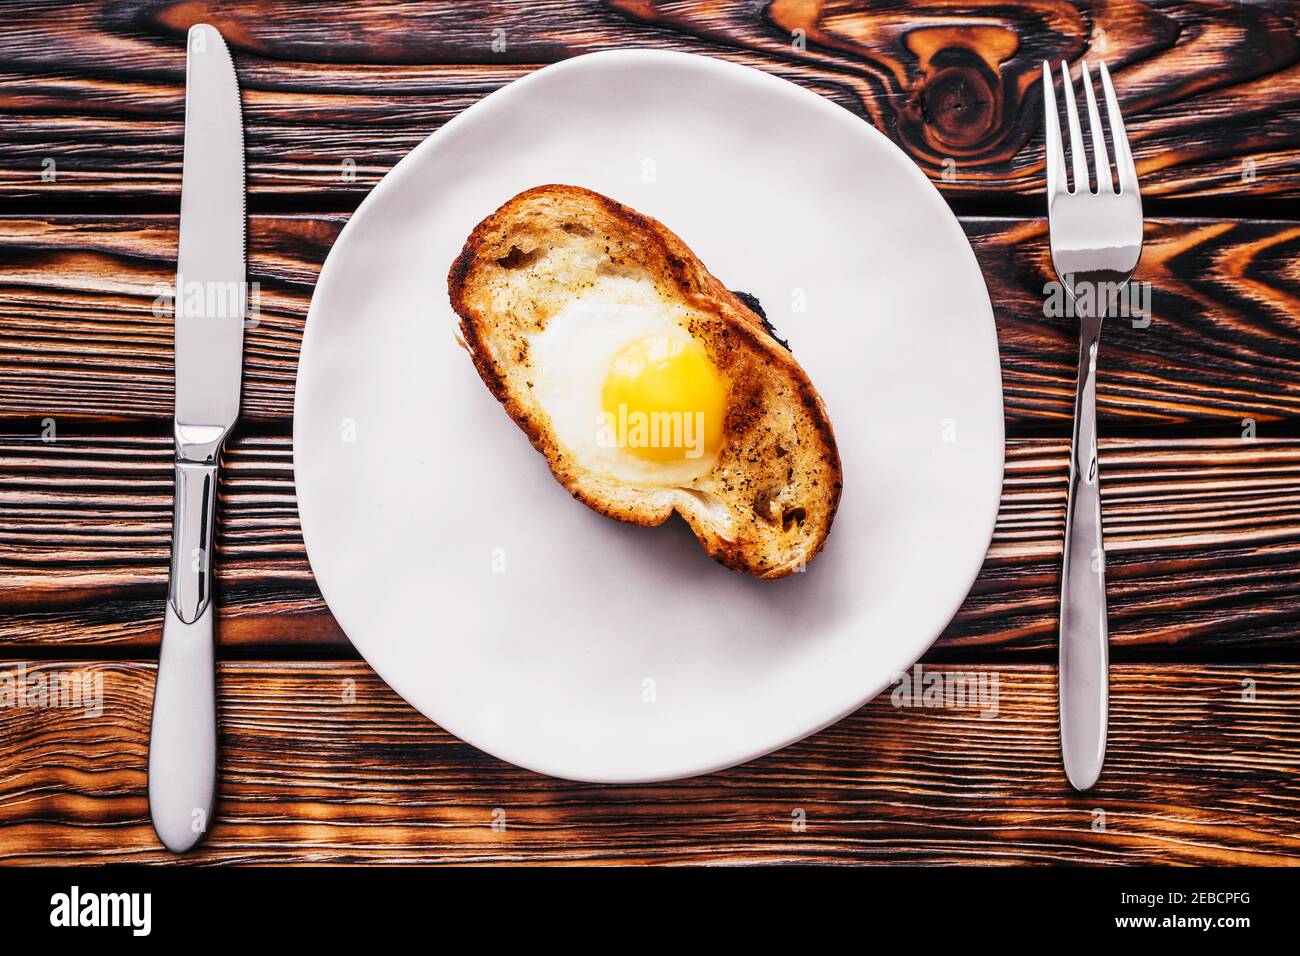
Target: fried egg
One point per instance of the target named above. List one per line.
(629, 393)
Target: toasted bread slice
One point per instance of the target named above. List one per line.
(767, 505)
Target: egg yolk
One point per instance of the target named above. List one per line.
(663, 400)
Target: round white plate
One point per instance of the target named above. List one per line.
(565, 642)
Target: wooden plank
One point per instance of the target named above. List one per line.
(322, 763)
(1203, 542)
(83, 337)
(1211, 93)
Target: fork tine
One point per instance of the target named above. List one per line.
(1080, 160)
(1123, 157)
(1101, 160)
(1056, 181)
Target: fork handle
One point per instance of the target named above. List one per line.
(1084, 675)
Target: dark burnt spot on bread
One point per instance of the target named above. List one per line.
(751, 302)
(460, 272)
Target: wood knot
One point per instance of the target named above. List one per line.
(958, 106)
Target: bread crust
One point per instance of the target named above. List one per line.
(774, 401)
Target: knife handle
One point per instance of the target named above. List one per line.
(183, 734)
(195, 505)
(1084, 656)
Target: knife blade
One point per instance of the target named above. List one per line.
(210, 262)
(209, 329)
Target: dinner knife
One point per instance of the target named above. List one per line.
(209, 310)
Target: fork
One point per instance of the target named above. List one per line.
(1096, 241)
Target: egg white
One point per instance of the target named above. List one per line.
(570, 360)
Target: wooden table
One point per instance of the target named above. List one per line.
(321, 762)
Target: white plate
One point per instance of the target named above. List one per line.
(556, 639)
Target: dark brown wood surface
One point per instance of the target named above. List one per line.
(1205, 86)
(323, 763)
(1199, 411)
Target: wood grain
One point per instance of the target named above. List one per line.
(84, 339)
(322, 763)
(1210, 91)
(1203, 547)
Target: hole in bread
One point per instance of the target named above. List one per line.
(517, 258)
(766, 505)
(770, 508)
(576, 229)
